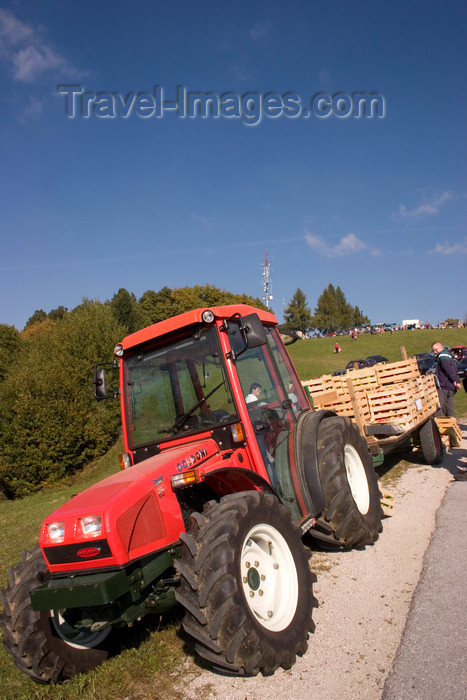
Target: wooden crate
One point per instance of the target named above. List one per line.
(431, 397)
(395, 393)
(345, 394)
(399, 404)
(397, 372)
(449, 428)
(362, 379)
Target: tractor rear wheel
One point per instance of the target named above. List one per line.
(349, 483)
(431, 443)
(246, 585)
(43, 644)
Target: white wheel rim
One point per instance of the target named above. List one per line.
(356, 476)
(269, 577)
(74, 637)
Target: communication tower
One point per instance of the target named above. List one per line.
(267, 297)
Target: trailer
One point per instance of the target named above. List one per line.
(392, 404)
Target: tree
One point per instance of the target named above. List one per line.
(157, 306)
(359, 319)
(333, 312)
(58, 313)
(38, 315)
(10, 346)
(297, 315)
(44, 326)
(125, 309)
(326, 316)
(50, 423)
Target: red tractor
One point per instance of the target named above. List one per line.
(225, 469)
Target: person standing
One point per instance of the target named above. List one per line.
(448, 381)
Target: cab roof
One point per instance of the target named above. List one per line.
(191, 317)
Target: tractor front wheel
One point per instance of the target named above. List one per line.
(246, 585)
(44, 645)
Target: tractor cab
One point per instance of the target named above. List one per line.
(222, 373)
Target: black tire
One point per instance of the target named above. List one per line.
(349, 482)
(32, 637)
(431, 443)
(237, 626)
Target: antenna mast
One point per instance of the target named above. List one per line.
(267, 297)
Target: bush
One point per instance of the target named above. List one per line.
(50, 423)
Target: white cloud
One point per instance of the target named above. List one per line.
(447, 248)
(348, 245)
(22, 47)
(428, 208)
(34, 60)
(12, 30)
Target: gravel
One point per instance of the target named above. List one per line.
(364, 598)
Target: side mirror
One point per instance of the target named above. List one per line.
(100, 383)
(245, 332)
(253, 331)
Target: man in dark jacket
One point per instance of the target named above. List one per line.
(447, 379)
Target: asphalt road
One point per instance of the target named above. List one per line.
(432, 658)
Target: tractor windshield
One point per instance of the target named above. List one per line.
(177, 390)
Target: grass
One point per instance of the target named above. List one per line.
(150, 668)
(155, 664)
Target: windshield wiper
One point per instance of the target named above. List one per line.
(180, 421)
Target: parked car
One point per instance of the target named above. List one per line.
(426, 362)
(376, 360)
(338, 372)
(357, 364)
(462, 367)
(459, 352)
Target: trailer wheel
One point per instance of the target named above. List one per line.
(43, 645)
(349, 483)
(431, 443)
(246, 585)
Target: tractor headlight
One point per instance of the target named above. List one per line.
(56, 531)
(89, 526)
(208, 316)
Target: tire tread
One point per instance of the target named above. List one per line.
(225, 631)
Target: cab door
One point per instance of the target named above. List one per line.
(273, 403)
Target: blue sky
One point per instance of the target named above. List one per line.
(374, 205)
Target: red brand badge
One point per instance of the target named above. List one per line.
(88, 552)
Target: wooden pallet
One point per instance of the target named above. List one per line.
(395, 393)
(387, 502)
(449, 428)
(397, 372)
(404, 403)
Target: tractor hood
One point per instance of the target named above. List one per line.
(120, 518)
